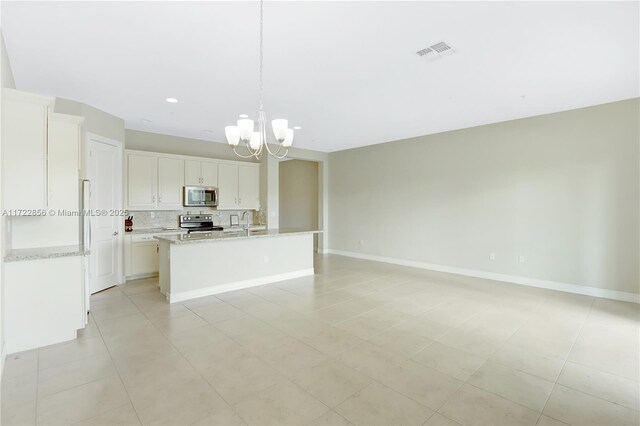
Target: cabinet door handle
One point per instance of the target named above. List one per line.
(115, 233)
(239, 200)
(153, 199)
(159, 199)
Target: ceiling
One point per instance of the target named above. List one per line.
(346, 72)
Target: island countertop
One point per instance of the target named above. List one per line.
(227, 236)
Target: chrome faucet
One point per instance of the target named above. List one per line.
(244, 213)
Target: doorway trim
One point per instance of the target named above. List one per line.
(87, 173)
(322, 159)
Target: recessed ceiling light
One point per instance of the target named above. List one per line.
(297, 127)
(145, 120)
(172, 100)
(243, 116)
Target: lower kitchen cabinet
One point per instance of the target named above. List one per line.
(47, 302)
(141, 255)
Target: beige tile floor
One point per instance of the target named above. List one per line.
(359, 343)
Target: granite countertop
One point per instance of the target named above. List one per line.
(153, 231)
(44, 253)
(226, 236)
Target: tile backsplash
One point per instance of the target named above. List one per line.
(169, 218)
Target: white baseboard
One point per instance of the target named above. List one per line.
(514, 279)
(238, 285)
(139, 277)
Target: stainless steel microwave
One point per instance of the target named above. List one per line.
(197, 196)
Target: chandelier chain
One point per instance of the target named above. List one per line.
(261, 50)
(256, 149)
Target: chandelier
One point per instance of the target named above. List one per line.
(256, 141)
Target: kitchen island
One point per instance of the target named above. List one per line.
(197, 265)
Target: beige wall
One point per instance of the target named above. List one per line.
(96, 121)
(155, 142)
(562, 190)
(270, 189)
(298, 194)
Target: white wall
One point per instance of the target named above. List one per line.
(6, 79)
(298, 195)
(562, 190)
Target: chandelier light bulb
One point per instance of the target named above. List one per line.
(288, 139)
(255, 141)
(245, 128)
(233, 135)
(280, 126)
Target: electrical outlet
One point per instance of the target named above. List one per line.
(153, 215)
(361, 242)
(521, 259)
(266, 259)
(492, 256)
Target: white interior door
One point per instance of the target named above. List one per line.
(105, 172)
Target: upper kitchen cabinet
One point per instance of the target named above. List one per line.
(170, 183)
(25, 119)
(249, 187)
(64, 161)
(154, 182)
(239, 186)
(200, 173)
(142, 181)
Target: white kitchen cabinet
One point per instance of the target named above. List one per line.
(144, 257)
(154, 181)
(24, 150)
(46, 302)
(227, 186)
(64, 161)
(142, 181)
(170, 183)
(248, 187)
(238, 186)
(192, 173)
(141, 257)
(209, 173)
(200, 173)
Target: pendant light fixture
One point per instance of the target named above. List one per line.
(256, 141)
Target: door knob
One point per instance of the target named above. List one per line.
(115, 233)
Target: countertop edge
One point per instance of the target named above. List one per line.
(171, 240)
(21, 255)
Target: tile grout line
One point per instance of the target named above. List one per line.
(466, 382)
(584, 321)
(115, 367)
(185, 358)
(37, 384)
(283, 377)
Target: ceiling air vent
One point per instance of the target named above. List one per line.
(436, 51)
